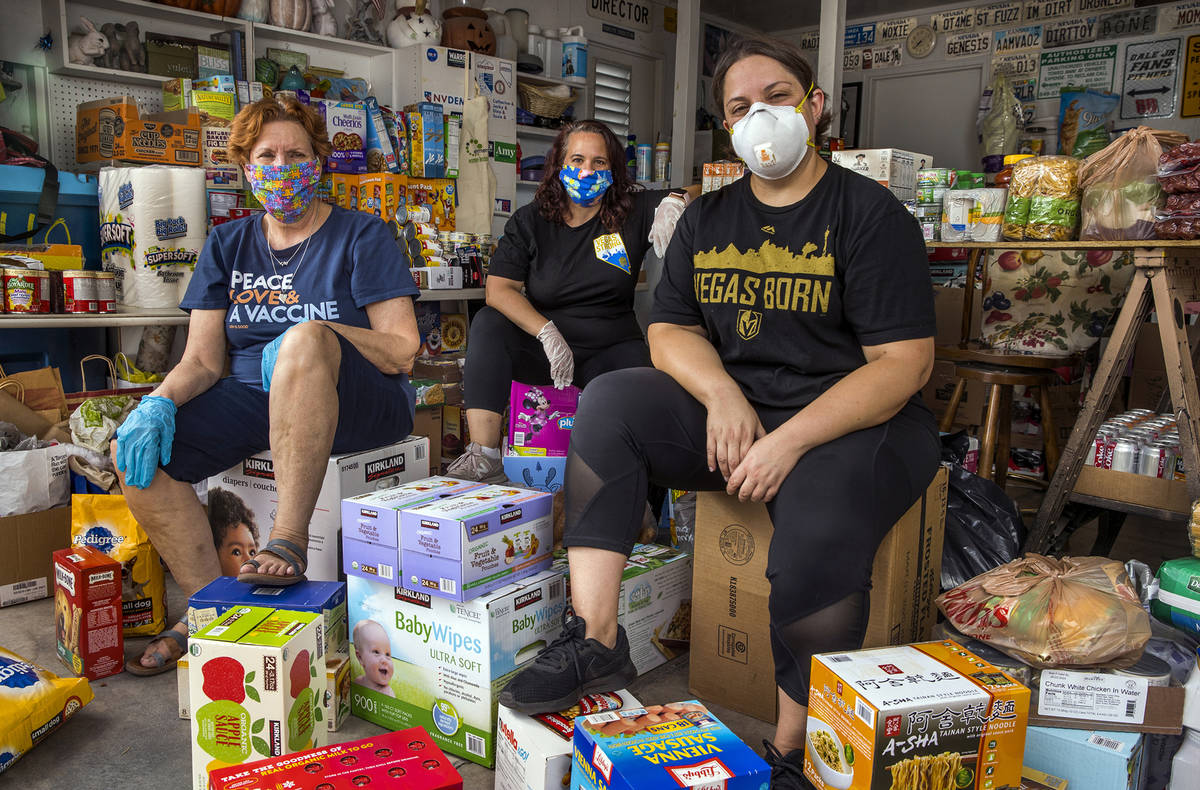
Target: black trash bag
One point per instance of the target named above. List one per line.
(955, 447)
(983, 528)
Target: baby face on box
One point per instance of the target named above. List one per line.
(374, 653)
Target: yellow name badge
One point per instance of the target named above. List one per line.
(611, 249)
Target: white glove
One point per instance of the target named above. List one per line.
(562, 361)
(665, 216)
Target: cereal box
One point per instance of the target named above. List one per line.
(257, 676)
(420, 660)
(436, 194)
(926, 715)
(404, 760)
(381, 194)
(381, 156)
(396, 125)
(344, 189)
(87, 612)
(541, 418)
(681, 744)
(371, 524)
(426, 140)
(346, 123)
(476, 542)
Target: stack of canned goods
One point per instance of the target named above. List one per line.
(73, 291)
(1139, 442)
(932, 183)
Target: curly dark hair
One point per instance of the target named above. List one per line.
(225, 511)
(552, 201)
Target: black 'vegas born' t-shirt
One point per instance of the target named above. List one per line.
(790, 295)
(581, 278)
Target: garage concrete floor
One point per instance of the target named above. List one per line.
(131, 735)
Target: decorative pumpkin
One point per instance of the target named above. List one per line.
(187, 5)
(413, 25)
(467, 28)
(254, 10)
(220, 7)
(292, 14)
(266, 71)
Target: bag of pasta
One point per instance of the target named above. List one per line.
(1054, 207)
(1120, 188)
(1069, 612)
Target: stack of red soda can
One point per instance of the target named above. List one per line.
(1139, 442)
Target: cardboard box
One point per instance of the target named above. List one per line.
(447, 368)
(692, 748)
(448, 660)
(437, 277)
(454, 332)
(426, 140)
(405, 760)
(29, 539)
(1087, 760)
(345, 476)
(427, 422)
(541, 418)
(730, 631)
(947, 305)
(437, 74)
(1148, 377)
(380, 154)
(454, 432)
(347, 122)
(542, 473)
(475, 542)
(534, 752)
(1153, 492)
(87, 612)
(381, 194)
(257, 678)
(1160, 710)
(114, 129)
(912, 706)
(438, 195)
(1033, 779)
(371, 524)
(940, 388)
(655, 603)
(345, 190)
(896, 169)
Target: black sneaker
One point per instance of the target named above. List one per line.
(568, 668)
(787, 771)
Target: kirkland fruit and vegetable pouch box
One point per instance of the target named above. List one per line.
(926, 715)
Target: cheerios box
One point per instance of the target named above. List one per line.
(476, 542)
(931, 714)
(346, 123)
(257, 676)
(681, 744)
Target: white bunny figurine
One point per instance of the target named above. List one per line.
(82, 47)
(323, 21)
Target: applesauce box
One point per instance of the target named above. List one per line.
(257, 677)
(477, 542)
(904, 716)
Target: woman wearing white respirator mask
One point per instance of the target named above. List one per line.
(791, 332)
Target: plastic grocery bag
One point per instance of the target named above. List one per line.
(95, 422)
(983, 528)
(1069, 612)
(1120, 188)
(33, 703)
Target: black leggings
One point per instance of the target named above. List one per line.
(640, 427)
(499, 352)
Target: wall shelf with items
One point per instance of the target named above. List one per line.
(372, 62)
(525, 130)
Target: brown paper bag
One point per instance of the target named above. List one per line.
(43, 392)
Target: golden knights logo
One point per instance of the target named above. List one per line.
(748, 323)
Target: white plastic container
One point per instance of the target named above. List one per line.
(1191, 699)
(1185, 768)
(553, 59)
(536, 44)
(575, 55)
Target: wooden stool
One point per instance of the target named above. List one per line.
(994, 443)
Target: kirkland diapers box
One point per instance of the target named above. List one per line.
(534, 752)
(892, 167)
(477, 542)
(421, 660)
(253, 480)
(680, 744)
(655, 605)
(371, 524)
(540, 419)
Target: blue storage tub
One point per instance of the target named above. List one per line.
(78, 207)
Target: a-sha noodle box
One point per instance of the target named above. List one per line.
(929, 716)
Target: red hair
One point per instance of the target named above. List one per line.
(248, 124)
(551, 197)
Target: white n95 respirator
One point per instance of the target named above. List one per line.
(771, 139)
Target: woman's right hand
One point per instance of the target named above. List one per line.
(733, 427)
(144, 440)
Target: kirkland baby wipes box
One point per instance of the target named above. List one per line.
(926, 715)
(421, 660)
(257, 676)
(371, 524)
(477, 542)
(655, 604)
(534, 752)
(680, 744)
(253, 480)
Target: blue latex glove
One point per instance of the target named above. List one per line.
(270, 354)
(144, 440)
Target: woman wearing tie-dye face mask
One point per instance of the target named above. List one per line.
(310, 307)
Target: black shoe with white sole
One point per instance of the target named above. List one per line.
(570, 667)
(787, 770)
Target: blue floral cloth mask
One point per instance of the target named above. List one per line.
(585, 190)
(285, 190)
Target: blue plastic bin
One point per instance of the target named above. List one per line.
(78, 206)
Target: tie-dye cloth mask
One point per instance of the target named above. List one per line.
(285, 190)
(585, 190)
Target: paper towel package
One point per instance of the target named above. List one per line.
(153, 222)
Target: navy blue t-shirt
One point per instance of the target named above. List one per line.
(351, 261)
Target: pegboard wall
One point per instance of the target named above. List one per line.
(68, 92)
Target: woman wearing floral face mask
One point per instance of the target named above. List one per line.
(791, 332)
(560, 286)
(311, 307)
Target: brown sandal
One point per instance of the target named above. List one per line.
(134, 666)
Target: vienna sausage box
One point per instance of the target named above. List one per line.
(931, 714)
(477, 542)
(87, 612)
(541, 418)
(681, 744)
(257, 676)
(371, 524)
(421, 660)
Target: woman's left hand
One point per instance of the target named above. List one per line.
(669, 210)
(762, 470)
